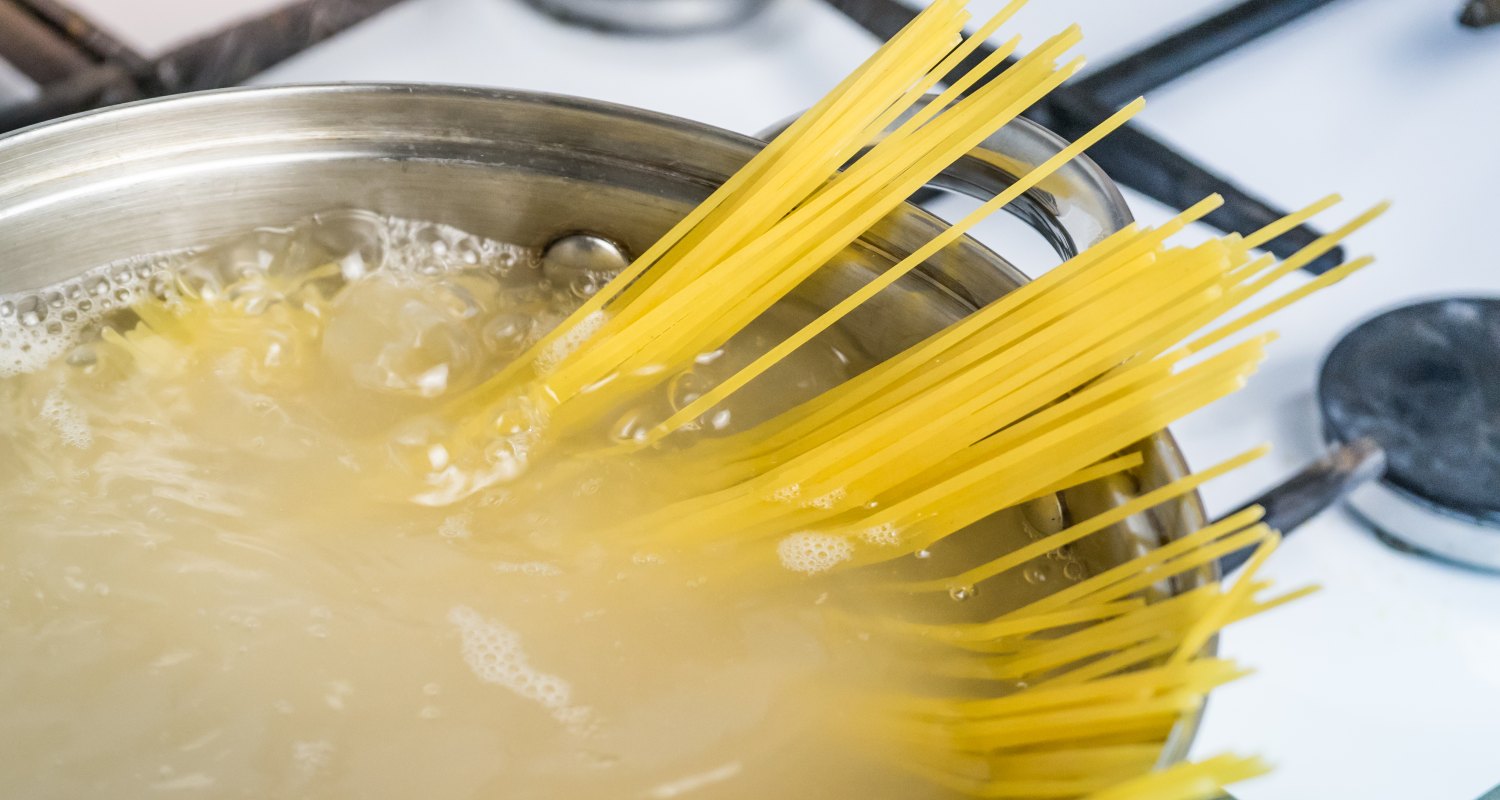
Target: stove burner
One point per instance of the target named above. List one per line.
(1423, 381)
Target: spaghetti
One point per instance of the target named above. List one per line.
(1038, 390)
(862, 497)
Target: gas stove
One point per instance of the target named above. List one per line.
(1383, 686)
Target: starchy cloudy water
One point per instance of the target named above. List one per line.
(227, 568)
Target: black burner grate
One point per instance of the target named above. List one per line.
(81, 67)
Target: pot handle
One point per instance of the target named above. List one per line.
(1316, 487)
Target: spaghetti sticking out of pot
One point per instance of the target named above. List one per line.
(367, 507)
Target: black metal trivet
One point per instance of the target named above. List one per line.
(81, 67)
(1129, 155)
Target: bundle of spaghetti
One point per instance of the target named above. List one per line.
(1049, 387)
(1031, 394)
(1003, 406)
(1075, 693)
(792, 208)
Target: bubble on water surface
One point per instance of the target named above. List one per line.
(812, 553)
(67, 420)
(494, 652)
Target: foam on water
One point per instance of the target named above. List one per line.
(493, 651)
(787, 494)
(69, 422)
(38, 327)
(885, 535)
(569, 342)
(455, 527)
(23, 350)
(812, 553)
(828, 501)
(432, 248)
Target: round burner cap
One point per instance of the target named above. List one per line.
(1423, 381)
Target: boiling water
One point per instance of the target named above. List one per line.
(212, 586)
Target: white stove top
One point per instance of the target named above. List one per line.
(14, 87)
(1387, 684)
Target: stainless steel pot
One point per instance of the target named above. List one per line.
(524, 168)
